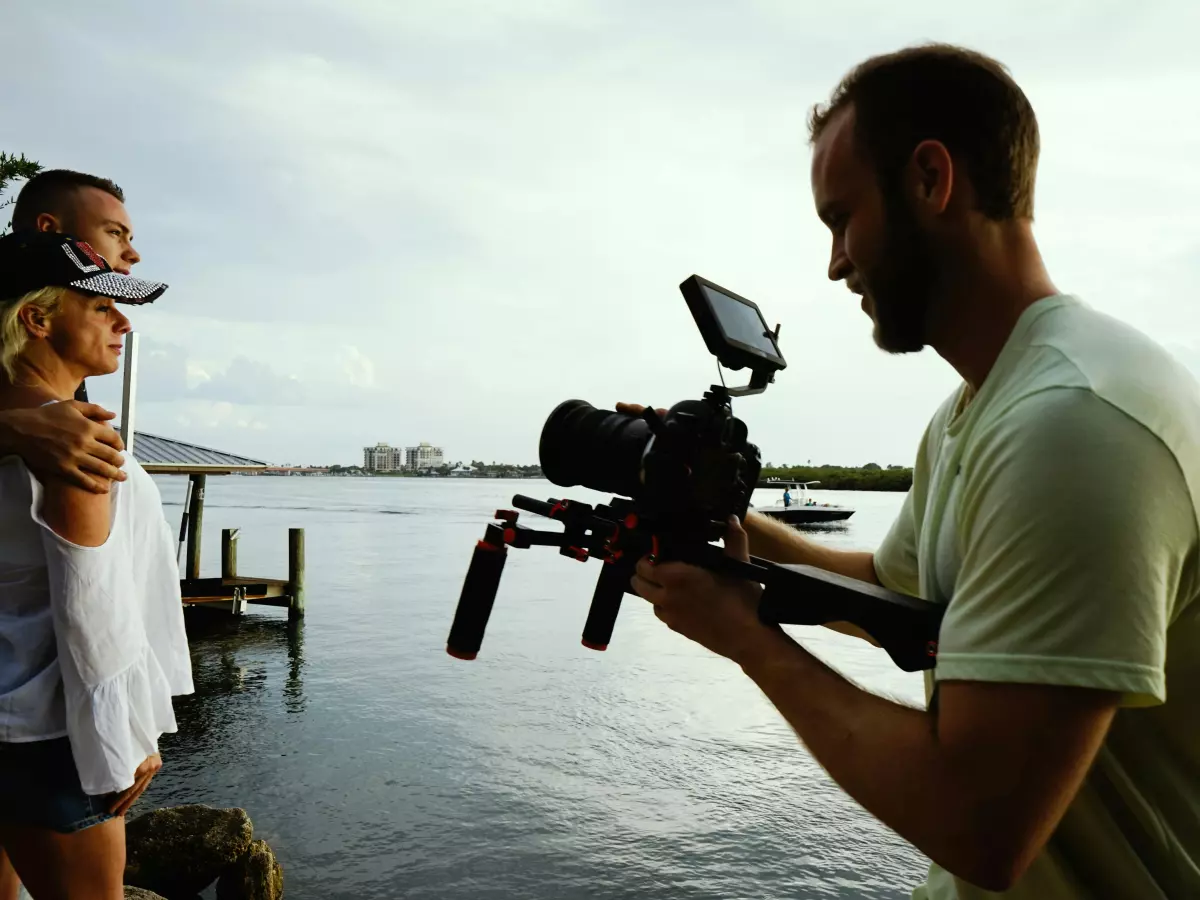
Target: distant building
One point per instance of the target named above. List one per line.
(423, 456)
(383, 458)
(461, 471)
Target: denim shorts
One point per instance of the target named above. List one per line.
(39, 786)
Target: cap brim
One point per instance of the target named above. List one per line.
(122, 288)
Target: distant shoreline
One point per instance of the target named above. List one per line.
(870, 477)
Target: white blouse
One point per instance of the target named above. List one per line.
(92, 641)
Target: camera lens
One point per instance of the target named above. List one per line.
(598, 448)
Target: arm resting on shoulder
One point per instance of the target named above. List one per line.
(68, 440)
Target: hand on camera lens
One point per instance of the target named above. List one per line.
(636, 409)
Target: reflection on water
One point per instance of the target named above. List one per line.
(842, 527)
(379, 767)
(218, 640)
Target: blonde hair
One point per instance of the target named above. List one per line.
(13, 336)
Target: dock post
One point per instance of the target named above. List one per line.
(129, 391)
(229, 538)
(195, 526)
(296, 573)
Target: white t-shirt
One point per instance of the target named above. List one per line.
(92, 640)
(1055, 513)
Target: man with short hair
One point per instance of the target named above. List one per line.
(1059, 756)
(70, 439)
(86, 206)
(90, 208)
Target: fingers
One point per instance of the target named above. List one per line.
(120, 802)
(93, 411)
(636, 409)
(103, 460)
(100, 484)
(645, 569)
(102, 457)
(647, 590)
(104, 437)
(737, 542)
(129, 797)
(655, 581)
(145, 772)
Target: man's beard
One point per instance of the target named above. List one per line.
(900, 288)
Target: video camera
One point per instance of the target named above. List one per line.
(679, 477)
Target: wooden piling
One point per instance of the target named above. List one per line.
(296, 573)
(229, 538)
(195, 525)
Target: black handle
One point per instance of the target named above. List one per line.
(606, 601)
(475, 601)
(906, 627)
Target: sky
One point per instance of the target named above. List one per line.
(405, 222)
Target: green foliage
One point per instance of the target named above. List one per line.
(841, 478)
(479, 470)
(499, 470)
(12, 167)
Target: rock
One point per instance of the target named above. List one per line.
(137, 893)
(179, 851)
(256, 876)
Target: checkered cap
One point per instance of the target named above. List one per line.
(30, 260)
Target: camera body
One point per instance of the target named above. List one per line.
(689, 470)
(686, 472)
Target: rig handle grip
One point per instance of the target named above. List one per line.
(475, 601)
(611, 587)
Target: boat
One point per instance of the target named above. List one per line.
(802, 510)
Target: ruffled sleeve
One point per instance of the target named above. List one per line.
(118, 697)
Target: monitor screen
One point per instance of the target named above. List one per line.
(741, 322)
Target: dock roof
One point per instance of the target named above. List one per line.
(161, 455)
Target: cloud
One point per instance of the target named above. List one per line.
(219, 415)
(167, 374)
(437, 221)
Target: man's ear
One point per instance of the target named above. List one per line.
(48, 222)
(35, 321)
(930, 177)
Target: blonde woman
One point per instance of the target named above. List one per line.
(92, 646)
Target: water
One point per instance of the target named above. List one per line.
(377, 766)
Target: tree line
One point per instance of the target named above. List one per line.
(871, 477)
(13, 167)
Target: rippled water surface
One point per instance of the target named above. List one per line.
(377, 766)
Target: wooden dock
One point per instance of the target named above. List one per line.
(230, 591)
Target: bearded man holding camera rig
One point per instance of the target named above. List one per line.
(1053, 511)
